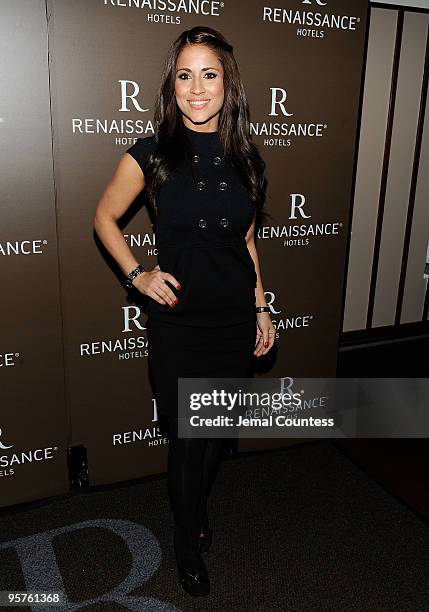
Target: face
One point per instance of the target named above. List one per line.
(199, 87)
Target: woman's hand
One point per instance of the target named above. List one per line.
(265, 333)
(152, 283)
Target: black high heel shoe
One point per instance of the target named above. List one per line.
(192, 572)
(194, 581)
(206, 538)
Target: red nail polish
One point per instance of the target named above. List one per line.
(179, 286)
(266, 344)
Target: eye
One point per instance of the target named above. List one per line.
(183, 76)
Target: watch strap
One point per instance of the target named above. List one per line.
(133, 274)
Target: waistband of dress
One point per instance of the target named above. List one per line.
(198, 243)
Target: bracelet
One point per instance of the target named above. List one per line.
(132, 275)
(263, 309)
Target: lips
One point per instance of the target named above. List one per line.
(198, 103)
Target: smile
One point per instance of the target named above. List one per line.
(198, 103)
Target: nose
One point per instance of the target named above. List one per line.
(198, 86)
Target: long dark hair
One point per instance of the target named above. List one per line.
(233, 126)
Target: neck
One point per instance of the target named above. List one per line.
(200, 129)
(203, 141)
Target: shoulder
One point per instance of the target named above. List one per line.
(142, 149)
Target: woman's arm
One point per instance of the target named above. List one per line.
(265, 330)
(124, 186)
(250, 241)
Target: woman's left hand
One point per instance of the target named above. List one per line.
(265, 333)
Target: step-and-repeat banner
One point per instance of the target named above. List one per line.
(80, 79)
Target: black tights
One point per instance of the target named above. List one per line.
(192, 466)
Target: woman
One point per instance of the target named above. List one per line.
(204, 180)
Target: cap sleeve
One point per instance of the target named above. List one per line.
(141, 150)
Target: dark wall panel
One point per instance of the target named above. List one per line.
(33, 421)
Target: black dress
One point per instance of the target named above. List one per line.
(204, 215)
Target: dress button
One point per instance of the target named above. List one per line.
(201, 185)
(202, 223)
(196, 158)
(224, 222)
(216, 161)
(223, 186)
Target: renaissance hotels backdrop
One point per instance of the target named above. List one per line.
(80, 80)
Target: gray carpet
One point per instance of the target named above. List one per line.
(295, 529)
